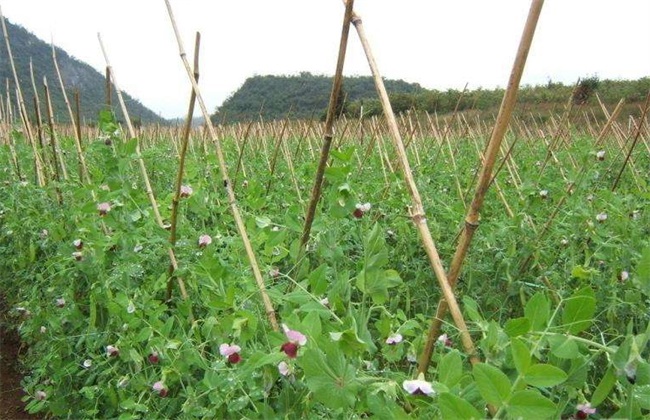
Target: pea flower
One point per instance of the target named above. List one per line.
(543, 194)
(623, 276)
(78, 256)
(78, 243)
(600, 155)
(361, 209)
(87, 363)
(204, 240)
(40, 395)
(584, 410)
(153, 357)
(231, 352)
(296, 339)
(112, 351)
(186, 191)
(445, 340)
(601, 217)
(60, 303)
(394, 339)
(159, 387)
(284, 368)
(418, 386)
(43, 329)
(103, 208)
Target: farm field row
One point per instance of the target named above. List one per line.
(555, 289)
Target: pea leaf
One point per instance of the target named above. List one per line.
(579, 310)
(493, 384)
(530, 404)
(543, 375)
(456, 408)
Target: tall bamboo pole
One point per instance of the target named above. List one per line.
(268, 306)
(472, 218)
(181, 163)
(83, 169)
(417, 211)
(38, 164)
(329, 124)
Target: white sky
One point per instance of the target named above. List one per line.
(439, 44)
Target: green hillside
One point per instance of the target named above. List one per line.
(302, 96)
(76, 76)
(307, 95)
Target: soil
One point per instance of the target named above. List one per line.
(11, 406)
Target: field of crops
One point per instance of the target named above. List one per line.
(132, 311)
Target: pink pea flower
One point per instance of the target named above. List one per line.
(284, 368)
(112, 351)
(296, 339)
(394, 338)
(445, 340)
(584, 410)
(40, 395)
(231, 352)
(159, 387)
(601, 217)
(186, 191)
(204, 240)
(78, 244)
(361, 209)
(154, 358)
(103, 208)
(418, 386)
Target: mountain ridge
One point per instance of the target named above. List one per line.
(76, 75)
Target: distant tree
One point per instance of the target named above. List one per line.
(584, 90)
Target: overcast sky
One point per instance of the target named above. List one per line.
(438, 44)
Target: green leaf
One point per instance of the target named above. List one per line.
(581, 273)
(538, 310)
(450, 369)
(517, 326)
(543, 375)
(263, 222)
(493, 384)
(330, 378)
(456, 408)
(318, 280)
(579, 310)
(642, 277)
(470, 308)
(642, 396)
(604, 387)
(520, 355)
(530, 404)
(563, 347)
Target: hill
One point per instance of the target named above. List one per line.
(302, 96)
(307, 95)
(75, 75)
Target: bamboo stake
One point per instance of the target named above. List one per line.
(270, 312)
(472, 219)
(634, 143)
(37, 107)
(417, 210)
(328, 134)
(38, 164)
(181, 164)
(56, 149)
